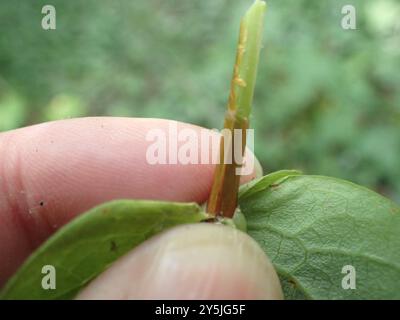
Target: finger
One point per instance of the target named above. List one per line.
(51, 172)
(200, 261)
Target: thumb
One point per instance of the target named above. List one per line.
(201, 261)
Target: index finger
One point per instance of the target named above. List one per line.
(51, 172)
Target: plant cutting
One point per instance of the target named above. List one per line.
(311, 227)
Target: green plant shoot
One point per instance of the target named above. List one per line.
(223, 197)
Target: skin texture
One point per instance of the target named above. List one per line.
(190, 262)
(51, 172)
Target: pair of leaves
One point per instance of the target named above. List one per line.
(309, 226)
(312, 226)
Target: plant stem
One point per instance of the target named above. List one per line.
(224, 191)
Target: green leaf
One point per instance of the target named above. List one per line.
(313, 226)
(91, 242)
(262, 183)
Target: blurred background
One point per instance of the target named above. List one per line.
(327, 100)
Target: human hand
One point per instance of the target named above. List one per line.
(52, 172)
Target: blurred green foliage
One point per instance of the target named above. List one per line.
(327, 99)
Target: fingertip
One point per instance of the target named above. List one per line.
(54, 171)
(200, 261)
